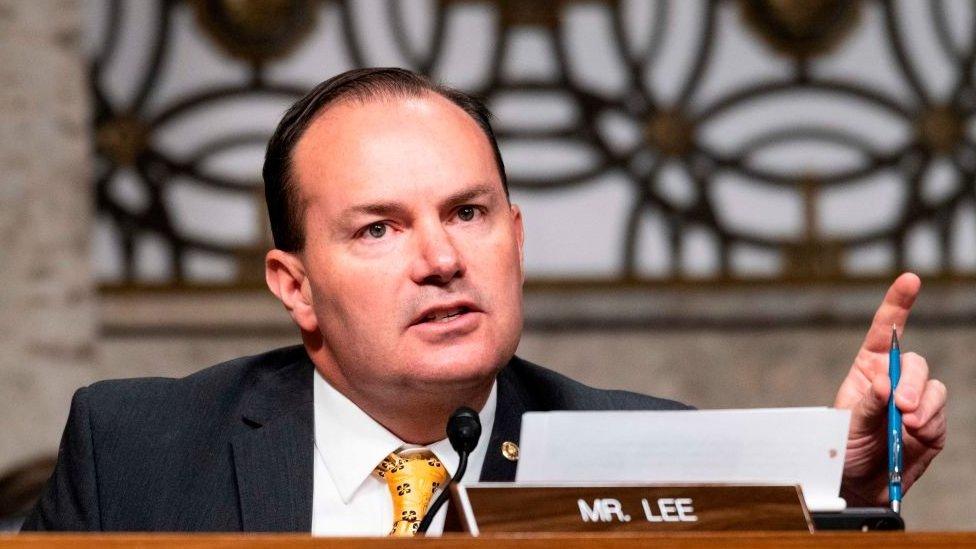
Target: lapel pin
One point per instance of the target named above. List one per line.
(510, 450)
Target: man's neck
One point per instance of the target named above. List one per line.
(417, 413)
(416, 417)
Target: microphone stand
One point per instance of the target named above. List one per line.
(442, 497)
(463, 430)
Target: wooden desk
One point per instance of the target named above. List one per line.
(846, 540)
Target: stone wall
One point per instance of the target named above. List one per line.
(47, 313)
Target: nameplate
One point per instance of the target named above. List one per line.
(507, 508)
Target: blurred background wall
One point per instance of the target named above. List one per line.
(716, 194)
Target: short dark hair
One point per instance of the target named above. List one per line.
(285, 210)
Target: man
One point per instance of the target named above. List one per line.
(399, 257)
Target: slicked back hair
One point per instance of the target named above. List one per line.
(285, 208)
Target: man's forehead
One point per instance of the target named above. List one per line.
(426, 136)
(385, 112)
(420, 150)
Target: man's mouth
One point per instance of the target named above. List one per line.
(446, 315)
(447, 312)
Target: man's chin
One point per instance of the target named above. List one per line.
(456, 367)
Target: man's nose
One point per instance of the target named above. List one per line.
(438, 259)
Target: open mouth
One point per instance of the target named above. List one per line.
(446, 315)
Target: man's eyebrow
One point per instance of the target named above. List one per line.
(380, 209)
(467, 195)
(394, 208)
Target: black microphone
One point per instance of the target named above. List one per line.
(463, 430)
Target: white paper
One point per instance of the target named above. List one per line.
(764, 446)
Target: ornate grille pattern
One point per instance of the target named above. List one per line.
(657, 141)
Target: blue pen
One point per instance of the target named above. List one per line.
(895, 446)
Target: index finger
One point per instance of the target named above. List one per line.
(893, 311)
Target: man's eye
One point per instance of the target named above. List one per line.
(376, 230)
(466, 213)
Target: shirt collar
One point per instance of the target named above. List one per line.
(351, 443)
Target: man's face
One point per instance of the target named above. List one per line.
(413, 255)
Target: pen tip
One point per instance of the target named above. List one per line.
(894, 337)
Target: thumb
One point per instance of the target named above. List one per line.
(869, 414)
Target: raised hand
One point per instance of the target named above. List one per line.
(865, 392)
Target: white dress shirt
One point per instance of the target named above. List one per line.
(347, 499)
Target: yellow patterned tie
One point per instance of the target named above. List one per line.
(412, 478)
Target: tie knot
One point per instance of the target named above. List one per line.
(418, 460)
(412, 478)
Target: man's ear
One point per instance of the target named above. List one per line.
(519, 236)
(285, 274)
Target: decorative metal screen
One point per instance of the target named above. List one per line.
(645, 140)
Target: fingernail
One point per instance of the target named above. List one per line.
(909, 395)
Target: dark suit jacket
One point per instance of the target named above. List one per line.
(230, 448)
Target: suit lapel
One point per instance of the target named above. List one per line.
(273, 456)
(513, 401)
